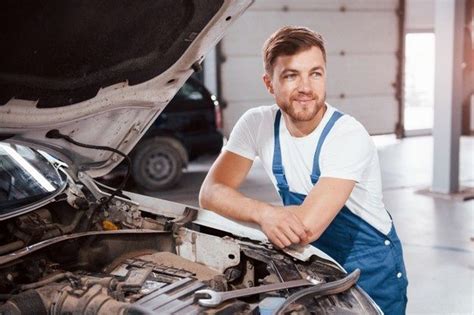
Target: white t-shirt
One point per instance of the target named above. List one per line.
(348, 152)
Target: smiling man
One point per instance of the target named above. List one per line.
(323, 164)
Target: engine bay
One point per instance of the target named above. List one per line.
(78, 256)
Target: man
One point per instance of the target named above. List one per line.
(324, 166)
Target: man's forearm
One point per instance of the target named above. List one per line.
(231, 203)
(281, 226)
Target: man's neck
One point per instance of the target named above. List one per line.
(303, 128)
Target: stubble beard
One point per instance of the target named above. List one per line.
(306, 113)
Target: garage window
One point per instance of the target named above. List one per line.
(419, 82)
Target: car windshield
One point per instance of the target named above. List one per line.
(26, 176)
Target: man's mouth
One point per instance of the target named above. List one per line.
(304, 101)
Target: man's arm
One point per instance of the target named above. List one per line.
(322, 204)
(348, 151)
(219, 193)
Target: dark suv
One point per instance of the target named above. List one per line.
(189, 126)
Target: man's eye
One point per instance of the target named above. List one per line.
(317, 74)
(289, 76)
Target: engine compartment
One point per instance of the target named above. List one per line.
(76, 255)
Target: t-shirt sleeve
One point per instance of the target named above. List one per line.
(242, 139)
(347, 152)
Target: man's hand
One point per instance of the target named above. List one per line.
(282, 226)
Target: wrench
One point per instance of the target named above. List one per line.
(216, 298)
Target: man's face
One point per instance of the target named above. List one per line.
(298, 83)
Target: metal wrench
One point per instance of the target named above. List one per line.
(216, 298)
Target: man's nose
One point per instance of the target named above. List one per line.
(304, 85)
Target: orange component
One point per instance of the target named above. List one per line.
(109, 225)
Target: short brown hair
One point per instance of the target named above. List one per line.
(288, 41)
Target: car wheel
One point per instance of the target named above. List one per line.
(158, 163)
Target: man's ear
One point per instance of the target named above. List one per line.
(268, 83)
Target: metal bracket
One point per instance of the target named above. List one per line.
(212, 251)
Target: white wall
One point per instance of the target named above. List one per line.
(419, 15)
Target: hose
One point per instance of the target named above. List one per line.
(333, 287)
(46, 281)
(10, 247)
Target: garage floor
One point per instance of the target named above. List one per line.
(437, 234)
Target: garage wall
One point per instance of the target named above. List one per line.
(419, 15)
(362, 43)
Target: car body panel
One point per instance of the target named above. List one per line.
(118, 114)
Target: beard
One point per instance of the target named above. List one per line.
(307, 112)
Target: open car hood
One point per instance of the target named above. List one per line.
(100, 72)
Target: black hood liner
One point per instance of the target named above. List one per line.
(62, 52)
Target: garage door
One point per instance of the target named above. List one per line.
(362, 39)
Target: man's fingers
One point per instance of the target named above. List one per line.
(291, 235)
(274, 239)
(282, 240)
(284, 228)
(299, 229)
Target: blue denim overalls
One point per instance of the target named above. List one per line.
(350, 240)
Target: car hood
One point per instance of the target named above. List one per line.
(99, 71)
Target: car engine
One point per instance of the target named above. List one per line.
(77, 256)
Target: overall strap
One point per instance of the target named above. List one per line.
(316, 170)
(277, 166)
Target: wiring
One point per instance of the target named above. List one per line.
(55, 134)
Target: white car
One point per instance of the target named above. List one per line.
(80, 83)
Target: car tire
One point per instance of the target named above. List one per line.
(157, 163)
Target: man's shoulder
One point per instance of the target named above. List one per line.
(262, 110)
(260, 114)
(347, 123)
(351, 124)
(348, 128)
(348, 141)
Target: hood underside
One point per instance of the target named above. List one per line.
(101, 71)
